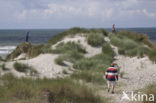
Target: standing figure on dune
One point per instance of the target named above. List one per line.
(27, 37)
(113, 28)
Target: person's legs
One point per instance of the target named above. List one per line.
(109, 85)
(113, 86)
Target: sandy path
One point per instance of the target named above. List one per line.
(138, 73)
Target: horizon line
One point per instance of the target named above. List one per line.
(72, 27)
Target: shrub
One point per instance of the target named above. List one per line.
(95, 39)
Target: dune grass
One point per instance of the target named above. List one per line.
(95, 39)
(132, 44)
(136, 37)
(22, 90)
(97, 62)
(24, 68)
(69, 46)
(90, 77)
(128, 47)
(152, 55)
(4, 68)
(70, 51)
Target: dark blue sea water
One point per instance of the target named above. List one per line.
(10, 38)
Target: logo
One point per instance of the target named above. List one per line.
(139, 96)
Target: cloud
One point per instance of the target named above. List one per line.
(72, 13)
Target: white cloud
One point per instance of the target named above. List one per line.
(148, 13)
(78, 11)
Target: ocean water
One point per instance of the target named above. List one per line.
(9, 39)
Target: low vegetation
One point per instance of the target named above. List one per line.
(22, 90)
(150, 89)
(24, 68)
(69, 46)
(22, 48)
(90, 77)
(70, 51)
(133, 45)
(95, 39)
(136, 37)
(3, 66)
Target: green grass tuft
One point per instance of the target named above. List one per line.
(95, 39)
(24, 68)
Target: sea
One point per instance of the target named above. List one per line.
(9, 39)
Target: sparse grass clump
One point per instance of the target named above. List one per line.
(23, 90)
(21, 67)
(95, 39)
(24, 68)
(4, 67)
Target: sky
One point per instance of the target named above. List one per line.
(18, 14)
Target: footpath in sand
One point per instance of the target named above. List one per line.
(138, 73)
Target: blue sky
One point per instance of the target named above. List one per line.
(77, 13)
